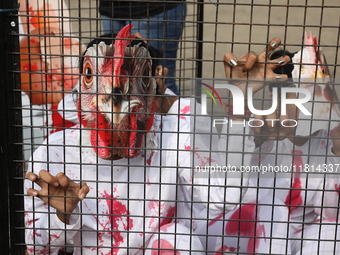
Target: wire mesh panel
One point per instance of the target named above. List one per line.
(141, 136)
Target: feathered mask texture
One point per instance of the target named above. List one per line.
(117, 99)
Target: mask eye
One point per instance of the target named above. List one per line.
(88, 75)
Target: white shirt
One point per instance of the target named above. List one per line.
(129, 199)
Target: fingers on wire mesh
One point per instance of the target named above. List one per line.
(83, 191)
(63, 180)
(280, 61)
(230, 59)
(272, 45)
(251, 59)
(44, 178)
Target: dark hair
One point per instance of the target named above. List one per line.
(286, 69)
(109, 39)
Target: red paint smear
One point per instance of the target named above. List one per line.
(30, 249)
(165, 227)
(131, 151)
(223, 248)
(294, 195)
(30, 67)
(116, 211)
(148, 161)
(54, 237)
(226, 248)
(245, 213)
(232, 249)
(101, 137)
(185, 110)
(153, 204)
(215, 219)
(297, 231)
(34, 21)
(56, 76)
(67, 43)
(119, 47)
(243, 222)
(169, 216)
(311, 41)
(36, 234)
(58, 123)
(30, 222)
(203, 160)
(167, 247)
(337, 188)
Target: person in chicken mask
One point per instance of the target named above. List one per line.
(112, 184)
(293, 208)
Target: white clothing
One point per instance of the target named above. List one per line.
(35, 119)
(299, 197)
(130, 200)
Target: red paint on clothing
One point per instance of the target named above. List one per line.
(32, 40)
(165, 227)
(226, 248)
(58, 122)
(294, 195)
(67, 43)
(215, 219)
(36, 233)
(118, 216)
(34, 21)
(169, 216)
(30, 67)
(54, 237)
(163, 247)
(204, 161)
(148, 161)
(185, 110)
(244, 222)
(223, 248)
(337, 188)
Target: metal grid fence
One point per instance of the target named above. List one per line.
(200, 178)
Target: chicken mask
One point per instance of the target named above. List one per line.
(310, 71)
(117, 97)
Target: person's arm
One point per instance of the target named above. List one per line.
(253, 70)
(50, 210)
(237, 143)
(326, 198)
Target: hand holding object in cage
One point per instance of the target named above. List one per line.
(58, 191)
(246, 70)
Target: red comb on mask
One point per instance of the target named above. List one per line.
(122, 40)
